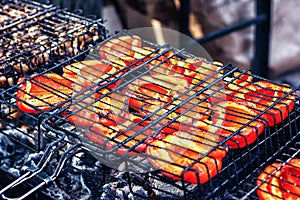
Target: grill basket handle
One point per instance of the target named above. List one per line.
(50, 151)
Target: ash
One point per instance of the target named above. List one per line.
(16, 159)
(82, 178)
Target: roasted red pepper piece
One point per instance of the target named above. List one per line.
(154, 95)
(113, 135)
(148, 94)
(236, 83)
(153, 56)
(42, 92)
(196, 109)
(86, 73)
(265, 190)
(100, 107)
(81, 116)
(229, 117)
(151, 90)
(290, 180)
(263, 94)
(138, 55)
(280, 181)
(174, 153)
(200, 71)
(174, 67)
(84, 76)
(112, 108)
(123, 46)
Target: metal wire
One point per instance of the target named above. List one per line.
(36, 44)
(50, 37)
(17, 12)
(210, 86)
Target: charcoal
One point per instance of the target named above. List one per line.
(16, 159)
(6, 164)
(33, 159)
(14, 172)
(139, 191)
(7, 148)
(108, 191)
(57, 193)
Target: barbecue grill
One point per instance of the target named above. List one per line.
(237, 163)
(65, 142)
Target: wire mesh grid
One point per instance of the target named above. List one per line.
(25, 105)
(44, 41)
(21, 127)
(236, 166)
(30, 49)
(125, 107)
(276, 178)
(17, 12)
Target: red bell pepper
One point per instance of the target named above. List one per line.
(81, 116)
(86, 73)
(280, 181)
(200, 71)
(229, 117)
(147, 96)
(174, 153)
(263, 94)
(123, 46)
(41, 93)
(112, 135)
(97, 108)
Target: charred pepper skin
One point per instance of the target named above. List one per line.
(41, 93)
(280, 181)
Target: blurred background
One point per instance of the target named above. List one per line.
(258, 34)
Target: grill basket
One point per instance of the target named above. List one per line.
(238, 161)
(43, 41)
(249, 189)
(242, 158)
(16, 13)
(33, 45)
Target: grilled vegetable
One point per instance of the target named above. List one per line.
(89, 72)
(160, 94)
(121, 47)
(115, 136)
(280, 181)
(40, 93)
(184, 148)
(230, 117)
(262, 95)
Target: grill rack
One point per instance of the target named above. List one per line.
(250, 186)
(19, 125)
(138, 74)
(41, 58)
(236, 162)
(26, 10)
(239, 165)
(45, 40)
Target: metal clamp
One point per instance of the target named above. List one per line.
(33, 172)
